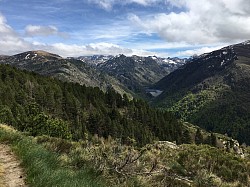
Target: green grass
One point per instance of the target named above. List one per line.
(183, 165)
(50, 161)
(43, 168)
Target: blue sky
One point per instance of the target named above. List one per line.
(142, 27)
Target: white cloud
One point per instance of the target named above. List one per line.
(9, 39)
(93, 49)
(200, 22)
(198, 51)
(90, 49)
(108, 4)
(38, 30)
(144, 2)
(11, 43)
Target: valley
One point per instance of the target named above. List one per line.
(126, 75)
(211, 91)
(125, 93)
(132, 120)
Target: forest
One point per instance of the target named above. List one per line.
(43, 105)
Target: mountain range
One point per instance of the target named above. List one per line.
(65, 69)
(212, 91)
(128, 75)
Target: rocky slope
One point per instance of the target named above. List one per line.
(128, 75)
(71, 70)
(137, 73)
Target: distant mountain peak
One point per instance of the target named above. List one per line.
(247, 42)
(37, 55)
(45, 53)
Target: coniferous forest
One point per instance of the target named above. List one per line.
(43, 105)
(124, 93)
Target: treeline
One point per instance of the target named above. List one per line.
(43, 105)
(226, 117)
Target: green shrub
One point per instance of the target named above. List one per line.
(42, 124)
(43, 168)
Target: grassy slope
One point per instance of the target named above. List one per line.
(43, 168)
(158, 164)
(210, 95)
(57, 162)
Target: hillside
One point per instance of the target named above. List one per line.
(96, 161)
(69, 110)
(82, 136)
(70, 70)
(212, 91)
(130, 75)
(137, 73)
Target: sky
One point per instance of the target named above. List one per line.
(165, 28)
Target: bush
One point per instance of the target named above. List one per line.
(42, 124)
(44, 168)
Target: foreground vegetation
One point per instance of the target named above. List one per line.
(43, 168)
(52, 161)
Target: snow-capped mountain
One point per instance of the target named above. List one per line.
(137, 72)
(95, 59)
(170, 64)
(133, 74)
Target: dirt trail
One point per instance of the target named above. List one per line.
(11, 172)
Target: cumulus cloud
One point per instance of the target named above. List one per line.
(198, 51)
(94, 49)
(200, 22)
(38, 30)
(9, 39)
(89, 49)
(11, 43)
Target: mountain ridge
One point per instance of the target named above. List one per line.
(91, 71)
(212, 91)
(70, 70)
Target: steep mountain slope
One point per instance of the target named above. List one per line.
(169, 64)
(128, 75)
(70, 70)
(95, 59)
(43, 105)
(137, 73)
(212, 90)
